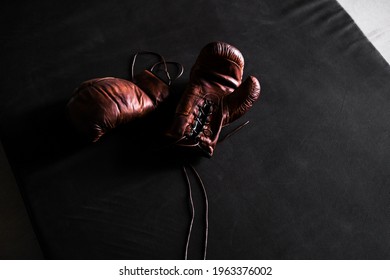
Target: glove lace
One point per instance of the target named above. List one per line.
(234, 131)
(163, 62)
(201, 120)
(193, 210)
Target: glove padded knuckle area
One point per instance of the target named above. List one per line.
(101, 104)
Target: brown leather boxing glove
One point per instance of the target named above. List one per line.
(99, 105)
(215, 97)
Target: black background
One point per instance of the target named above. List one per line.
(308, 178)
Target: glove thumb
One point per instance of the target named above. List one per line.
(241, 99)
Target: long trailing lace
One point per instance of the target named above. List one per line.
(234, 131)
(193, 210)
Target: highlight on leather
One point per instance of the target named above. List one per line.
(214, 97)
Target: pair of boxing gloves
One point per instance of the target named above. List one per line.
(214, 97)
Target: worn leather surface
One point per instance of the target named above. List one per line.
(213, 98)
(101, 104)
(308, 178)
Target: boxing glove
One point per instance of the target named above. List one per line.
(99, 105)
(214, 97)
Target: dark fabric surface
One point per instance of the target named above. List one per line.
(308, 178)
(17, 238)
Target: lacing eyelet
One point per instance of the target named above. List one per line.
(201, 120)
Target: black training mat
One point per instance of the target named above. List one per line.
(307, 178)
